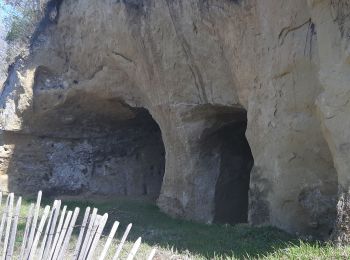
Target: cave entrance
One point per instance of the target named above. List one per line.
(88, 144)
(226, 142)
(131, 160)
(232, 186)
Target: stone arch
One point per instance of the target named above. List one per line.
(76, 141)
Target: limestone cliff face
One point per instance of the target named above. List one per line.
(110, 82)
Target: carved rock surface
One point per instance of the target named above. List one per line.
(249, 98)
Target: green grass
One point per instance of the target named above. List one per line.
(179, 239)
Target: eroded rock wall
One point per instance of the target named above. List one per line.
(129, 164)
(75, 141)
(294, 183)
(333, 22)
(197, 67)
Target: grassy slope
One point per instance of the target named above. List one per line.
(179, 239)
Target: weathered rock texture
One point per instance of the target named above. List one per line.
(74, 113)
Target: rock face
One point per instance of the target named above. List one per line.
(125, 160)
(249, 98)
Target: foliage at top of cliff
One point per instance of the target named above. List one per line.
(19, 19)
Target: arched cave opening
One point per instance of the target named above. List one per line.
(87, 144)
(225, 141)
(130, 159)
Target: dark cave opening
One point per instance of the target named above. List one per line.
(88, 145)
(231, 191)
(126, 155)
(225, 141)
(141, 154)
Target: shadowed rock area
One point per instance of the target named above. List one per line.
(242, 105)
(87, 152)
(231, 190)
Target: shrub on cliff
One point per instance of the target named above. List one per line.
(19, 19)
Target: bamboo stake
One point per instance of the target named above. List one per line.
(14, 230)
(97, 236)
(121, 244)
(81, 234)
(134, 249)
(109, 240)
(26, 230)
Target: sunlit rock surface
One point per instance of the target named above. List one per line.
(199, 103)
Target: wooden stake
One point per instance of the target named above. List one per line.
(97, 236)
(33, 227)
(4, 215)
(39, 232)
(152, 254)
(14, 230)
(81, 234)
(69, 233)
(109, 240)
(52, 231)
(121, 244)
(58, 232)
(26, 230)
(62, 235)
(43, 243)
(8, 225)
(92, 235)
(84, 247)
(134, 249)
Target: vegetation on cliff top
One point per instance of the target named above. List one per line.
(19, 20)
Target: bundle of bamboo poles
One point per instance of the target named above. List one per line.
(54, 230)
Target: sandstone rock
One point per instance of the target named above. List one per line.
(108, 72)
